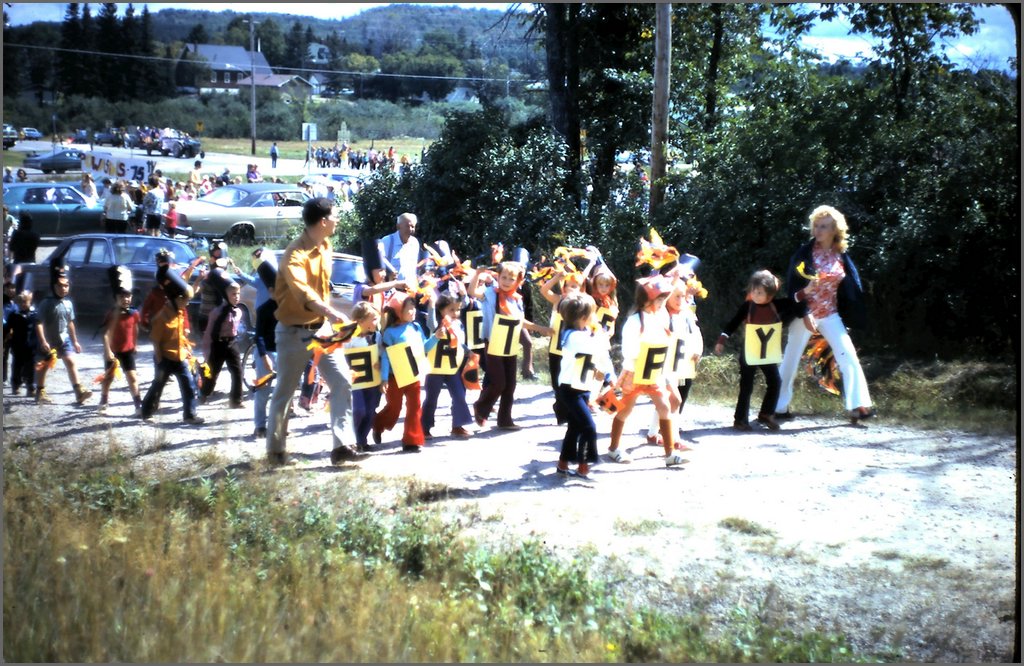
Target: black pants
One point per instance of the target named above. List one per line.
(499, 386)
(555, 366)
(773, 381)
(23, 367)
(112, 226)
(580, 442)
(223, 352)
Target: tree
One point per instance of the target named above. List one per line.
(295, 47)
(198, 35)
(271, 42)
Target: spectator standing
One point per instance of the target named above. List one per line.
(24, 241)
(303, 292)
(153, 206)
(273, 155)
(401, 249)
(117, 209)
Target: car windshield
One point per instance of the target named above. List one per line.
(347, 271)
(143, 250)
(225, 196)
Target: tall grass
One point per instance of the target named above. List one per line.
(104, 566)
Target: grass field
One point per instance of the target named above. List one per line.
(296, 150)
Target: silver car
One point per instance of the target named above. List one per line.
(243, 214)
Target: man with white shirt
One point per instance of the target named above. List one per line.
(401, 250)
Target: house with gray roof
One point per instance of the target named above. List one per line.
(214, 68)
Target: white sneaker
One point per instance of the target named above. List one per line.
(674, 459)
(618, 456)
(102, 409)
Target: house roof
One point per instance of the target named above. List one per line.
(230, 58)
(274, 80)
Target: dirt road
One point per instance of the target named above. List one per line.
(901, 539)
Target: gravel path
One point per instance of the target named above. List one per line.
(901, 539)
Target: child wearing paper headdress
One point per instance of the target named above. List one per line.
(585, 367)
(764, 317)
(571, 281)
(689, 343)
(402, 368)
(172, 349)
(602, 285)
(503, 319)
(447, 361)
(646, 343)
(120, 336)
(363, 355)
(57, 336)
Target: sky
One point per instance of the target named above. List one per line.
(991, 47)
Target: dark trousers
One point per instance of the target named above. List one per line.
(223, 352)
(112, 226)
(364, 408)
(684, 392)
(186, 382)
(555, 366)
(580, 442)
(773, 382)
(457, 392)
(499, 383)
(23, 369)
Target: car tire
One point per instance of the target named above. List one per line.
(46, 171)
(240, 235)
(176, 151)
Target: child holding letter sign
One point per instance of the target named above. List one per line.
(585, 366)
(403, 366)
(764, 317)
(362, 353)
(503, 320)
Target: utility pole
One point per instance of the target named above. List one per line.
(252, 79)
(659, 116)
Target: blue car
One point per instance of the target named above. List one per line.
(60, 160)
(58, 209)
(31, 133)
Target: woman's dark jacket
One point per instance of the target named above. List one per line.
(850, 296)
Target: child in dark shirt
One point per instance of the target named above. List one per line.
(764, 317)
(219, 345)
(21, 325)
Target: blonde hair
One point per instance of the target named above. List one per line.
(841, 241)
(364, 309)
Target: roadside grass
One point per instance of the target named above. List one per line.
(296, 150)
(102, 565)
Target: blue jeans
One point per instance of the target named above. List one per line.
(261, 396)
(292, 357)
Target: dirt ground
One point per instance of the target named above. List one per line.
(901, 539)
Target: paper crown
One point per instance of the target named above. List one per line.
(521, 255)
(120, 280)
(58, 271)
(164, 256)
(268, 273)
(655, 286)
(655, 253)
(219, 280)
(397, 301)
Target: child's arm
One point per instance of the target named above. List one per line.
(539, 330)
(73, 334)
(44, 346)
(547, 289)
(731, 326)
(108, 330)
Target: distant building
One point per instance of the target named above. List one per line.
(291, 87)
(212, 68)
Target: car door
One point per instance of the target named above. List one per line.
(89, 259)
(38, 201)
(75, 214)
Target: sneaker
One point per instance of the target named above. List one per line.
(81, 395)
(363, 448)
(102, 409)
(783, 416)
(427, 435)
(194, 420)
(43, 398)
(461, 432)
(138, 412)
(562, 472)
(259, 433)
(674, 459)
(346, 454)
(279, 459)
(742, 426)
(768, 420)
(618, 456)
(376, 437)
(145, 417)
(862, 413)
(411, 448)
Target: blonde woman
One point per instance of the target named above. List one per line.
(824, 282)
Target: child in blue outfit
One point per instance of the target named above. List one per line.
(403, 366)
(21, 328)
(585, 366)
(446, 360)
(362, 353)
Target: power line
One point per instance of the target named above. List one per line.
(295, 70)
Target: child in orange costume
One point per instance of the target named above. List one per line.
(646, 341)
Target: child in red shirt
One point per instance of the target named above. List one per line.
(120, 336)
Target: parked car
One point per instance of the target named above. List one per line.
(10, 136)
(79, 136)
(110, 136)
(346, 272)
(244, 213)
(90, 256)
(177, 144)
(58, 209)
(31, 133)
(60, 160)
